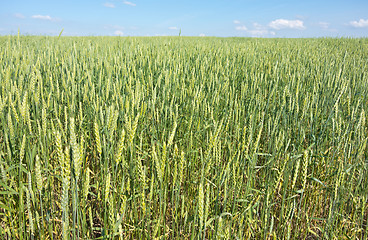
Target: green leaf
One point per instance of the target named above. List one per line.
(318, 181)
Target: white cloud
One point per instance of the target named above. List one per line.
(324, 25)
(173, 28)
(19, 15)
(258, 32)
(109, 5)
(130, 3)
(258, 26)
(119, 33)
(359, 24)
(284, 23)
(202, 35)
(236, 22)
(241, 28)
(43, 17)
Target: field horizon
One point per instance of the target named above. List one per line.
(15, 34)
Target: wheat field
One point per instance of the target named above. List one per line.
(183, 138)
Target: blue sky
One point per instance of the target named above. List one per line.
(223, 18)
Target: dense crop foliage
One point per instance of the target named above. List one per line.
(183, 138)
